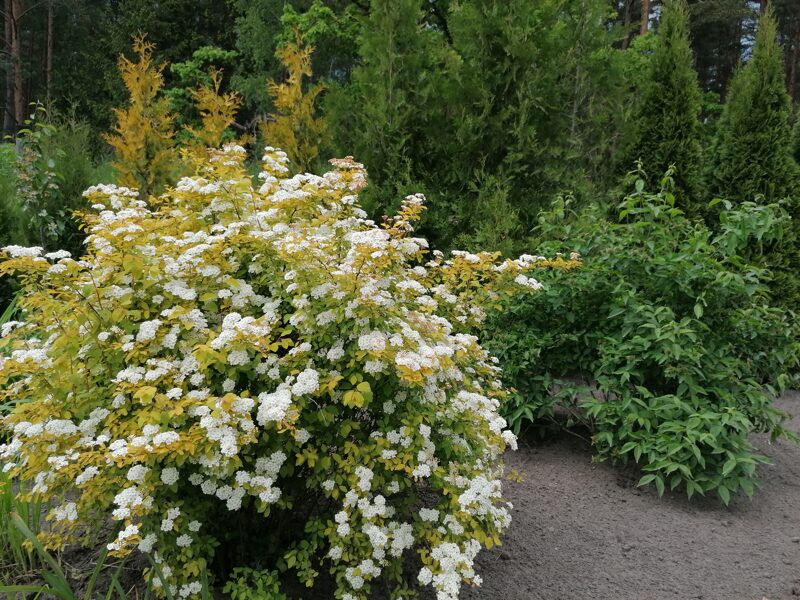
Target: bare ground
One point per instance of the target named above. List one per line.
(583, 531)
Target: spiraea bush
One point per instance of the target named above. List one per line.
(233, 353)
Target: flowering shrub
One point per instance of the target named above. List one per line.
(267, 349)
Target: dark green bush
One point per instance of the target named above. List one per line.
(10, 214)
(54, 167)
(663, 343)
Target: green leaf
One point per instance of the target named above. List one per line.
(698, 310)
(659, 485)
(729, 466)
(646, 479)
(724, 494)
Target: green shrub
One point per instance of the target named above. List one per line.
(54, 166)
(11, 230)
(249, 584)
(663, 343)
(262, 358)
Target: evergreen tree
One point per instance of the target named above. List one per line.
(144, 137)
(294, 127)
(392, 115)
(752, 154)
(534, 90)
(667, 128)
(488, 108)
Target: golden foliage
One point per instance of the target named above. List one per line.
(143, 138)
(217, 111)
(293, 127)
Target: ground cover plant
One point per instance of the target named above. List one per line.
(229, 354)
(663, 344)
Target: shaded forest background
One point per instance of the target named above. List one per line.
(492, 109)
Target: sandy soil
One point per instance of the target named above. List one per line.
(583, 531)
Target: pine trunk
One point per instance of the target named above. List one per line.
(18, 81)
(8, 113)
(793, 59)
(49, 53)
(627, 9)
(645, 24)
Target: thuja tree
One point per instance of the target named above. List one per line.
(667, 129)
(471, 102)
(143, 138)
(533, 94)
(753, 154)
(394, 103)
(295, 126)
(262, 354)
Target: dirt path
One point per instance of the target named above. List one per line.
(585, 532)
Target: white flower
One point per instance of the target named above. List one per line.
(166, 437)
(66, 512)
(169, 475)
(137, 473)
(86, 475)
(148, 330)
(238, 357)
(375, 341)
(374, 366)
(307, 383)
(302, 436)
(21, 251)
(147, 543)
(123, 536)
(429, 514)
(273, 407)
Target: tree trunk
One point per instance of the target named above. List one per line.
(8, 113)
(626, 22)
(764, 6)
(645, 25)
(793, 58)
(49, 53)
(16, 63)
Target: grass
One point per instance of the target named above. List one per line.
(17, 559)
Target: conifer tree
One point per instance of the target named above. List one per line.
(294, 127)
(143, 138)
(668, 130)
(752, 155)
(391, 116)
(217, 112)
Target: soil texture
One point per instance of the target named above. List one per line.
(584, 531)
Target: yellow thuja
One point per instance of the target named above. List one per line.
(144, 136)
(217, 112)
(293, 127)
